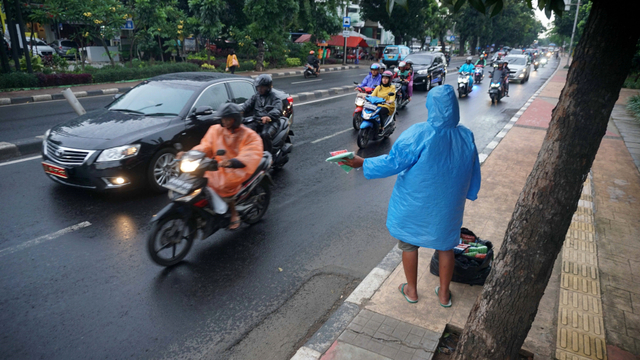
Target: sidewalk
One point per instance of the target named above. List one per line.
(55, 93)
(591, 307)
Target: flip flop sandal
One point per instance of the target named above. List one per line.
(233, 223)
(405, 295)
(450, 297)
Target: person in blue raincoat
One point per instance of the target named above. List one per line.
(468, 68)
(438, 169)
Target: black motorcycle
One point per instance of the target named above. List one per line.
(496, 88)
(196, 212)
(402, 99)
(281, 144)
(309, 71)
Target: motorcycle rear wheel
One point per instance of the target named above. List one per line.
(364, 135)
(305, 74)
(173, 231)
(263, 194)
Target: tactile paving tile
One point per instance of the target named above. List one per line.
(580, 323)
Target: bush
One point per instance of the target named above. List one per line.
(632, 82)
(633, 105)
(247, 65)
(119, 73)
(17, 79)
(198, 56)
(36, 63)
(291, 62)
(62, 79)
(207, 66)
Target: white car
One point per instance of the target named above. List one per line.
(519, 66)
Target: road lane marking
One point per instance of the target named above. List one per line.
(41, 239)
(306, 81)
(329, 98)
(21, 160)
(330, 136)
(48, 101)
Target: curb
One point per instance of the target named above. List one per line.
(320, 342)
(20, 148)
(113, 91)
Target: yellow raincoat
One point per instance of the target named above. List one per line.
(243, 144)
(232, 60)
(383, 92)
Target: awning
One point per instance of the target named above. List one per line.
(352, 41)
(303, 38)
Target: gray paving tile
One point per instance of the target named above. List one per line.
(355, 327)
(386, 329)
(370, 330)
(384, 336)
(417, 330)
(360, 320)
(391, 321)
(389, 351)
(347, 336)
(406, 349)
(377, 317)
(367, 314)
(413, 339)
(375, 345)
(361, 340)
(399, 334)
(422, 355)
(401, 355)
(404, 327)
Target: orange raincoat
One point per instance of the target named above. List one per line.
(244, 144)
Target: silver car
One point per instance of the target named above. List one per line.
(519, 66)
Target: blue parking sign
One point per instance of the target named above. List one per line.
(128, 25)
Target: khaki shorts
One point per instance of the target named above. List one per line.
(406, 247)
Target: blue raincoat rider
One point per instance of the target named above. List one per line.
(438, 170)
(468, 68)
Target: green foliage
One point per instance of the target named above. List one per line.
(16, 80)
(422, 14)
(633, 105)
(494, 7)
(292, 62)
(318, 18)
(36, 63)
(199, 56)
(632, 82)
(119, 73)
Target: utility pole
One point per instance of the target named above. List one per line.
(575, 21)
(344, 55)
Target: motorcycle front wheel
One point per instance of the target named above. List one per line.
(357, 120)
(170, 240)
(363, 137)
(261, 196)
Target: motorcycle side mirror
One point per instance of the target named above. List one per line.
(391, 94)
(203, 111)
(356, 83)
(178, 146)
(221, 152)
(116, 96)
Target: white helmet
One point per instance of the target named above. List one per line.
(402, 64)
(469, 58)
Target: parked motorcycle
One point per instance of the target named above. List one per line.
(281, 144)
(402, 99)
(360, 100)
(463, 84)
(309, 71)
(370, 127)
(478, 74)
(196, 212)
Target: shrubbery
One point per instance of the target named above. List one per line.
(632, 82)
(633, 105)
(118, 73)
(62, 79)
(291, 62)
(18, 80)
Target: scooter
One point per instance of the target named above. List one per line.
(281, 144)
(196, 211)
(360, 100)
(496, 88)
(309, 71)
(478, 74)
(402, 98)
(543, 61)
(536, 63)
(370, 127)
(463, 84)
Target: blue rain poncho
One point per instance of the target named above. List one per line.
(438, 166)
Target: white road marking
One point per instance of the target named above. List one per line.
(41, 239)
(306, 81)
(48, 101)
(329, 98)
(330, 136)
(21, 160)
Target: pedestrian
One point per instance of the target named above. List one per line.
(328, 53)
(438, 169)
(232, 61)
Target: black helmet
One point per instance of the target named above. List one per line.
(263, 80)
(231, 110)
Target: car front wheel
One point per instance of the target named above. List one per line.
(161, 169)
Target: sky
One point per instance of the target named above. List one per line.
(540, 15)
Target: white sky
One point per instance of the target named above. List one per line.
(540, 15)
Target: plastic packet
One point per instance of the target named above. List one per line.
(338, 156)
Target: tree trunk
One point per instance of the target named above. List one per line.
(160, 45)
(463, 40)
(13, 36)
(24, 39)
(4, 56)
(397, 40)
(443, 43)
(106, 48)
(260, 58)
(502, 315)
(474, 45)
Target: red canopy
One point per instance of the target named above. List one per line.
(352, 41)
(303, 38)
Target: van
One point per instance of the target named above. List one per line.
(393, 54)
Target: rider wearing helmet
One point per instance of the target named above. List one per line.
(406, 75)
(243, 154)
(481, 61)
(313, 61)
(266, 107)
(468, 68)
(503, 72)
(383, 90)
(373, 79)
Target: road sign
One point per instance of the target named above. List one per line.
(345, 33)
(451, 38)
(346, 21)
(128, 25)
(427, 40)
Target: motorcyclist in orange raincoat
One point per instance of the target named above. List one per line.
(243, 154)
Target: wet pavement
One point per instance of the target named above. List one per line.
(94, 293)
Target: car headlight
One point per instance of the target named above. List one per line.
(119, 153)
(46, 136)
(423, 72)
(521, 75)
(187, 166)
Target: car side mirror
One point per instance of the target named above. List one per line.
(203, 111)
(116, 96)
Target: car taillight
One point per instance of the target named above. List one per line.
(60, 47)
(290, 100)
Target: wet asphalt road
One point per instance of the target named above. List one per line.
(93, 292)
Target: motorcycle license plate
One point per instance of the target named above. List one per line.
(54, 170)
(370, 106)
(178, 185)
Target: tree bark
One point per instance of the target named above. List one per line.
(160, 45)
(260, 57)
(3, 55)
(442, 42)
(13, 36)
(22, 36)
(474, 45)
(502, 315)
(106, 48)
(463, 40)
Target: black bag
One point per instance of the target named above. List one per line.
(468, 270)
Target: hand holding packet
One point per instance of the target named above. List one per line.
(338, 156)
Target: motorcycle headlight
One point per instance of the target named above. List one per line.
(423, 72)
(495, 85)
(187, 166)
(359, 101)
(463, 80)
(190, 196)
(119, 153)
(544, 61)
(366, 115)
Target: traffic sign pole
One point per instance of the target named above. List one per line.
(346, 23)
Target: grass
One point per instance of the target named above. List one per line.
(633, 106)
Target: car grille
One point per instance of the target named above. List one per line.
(67, 156)
(46, 53)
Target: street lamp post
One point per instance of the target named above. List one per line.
(575, 21)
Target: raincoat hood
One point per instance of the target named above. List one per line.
(442, 105)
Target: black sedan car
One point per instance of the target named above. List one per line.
(428, 69)
(131, 142)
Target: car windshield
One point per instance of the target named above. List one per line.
(421, 59)
(155, 97)
(392, 50)
(516, 61)
(69, 43)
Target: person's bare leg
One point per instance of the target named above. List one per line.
(410, 265)
(446, 260)
(235, 219)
